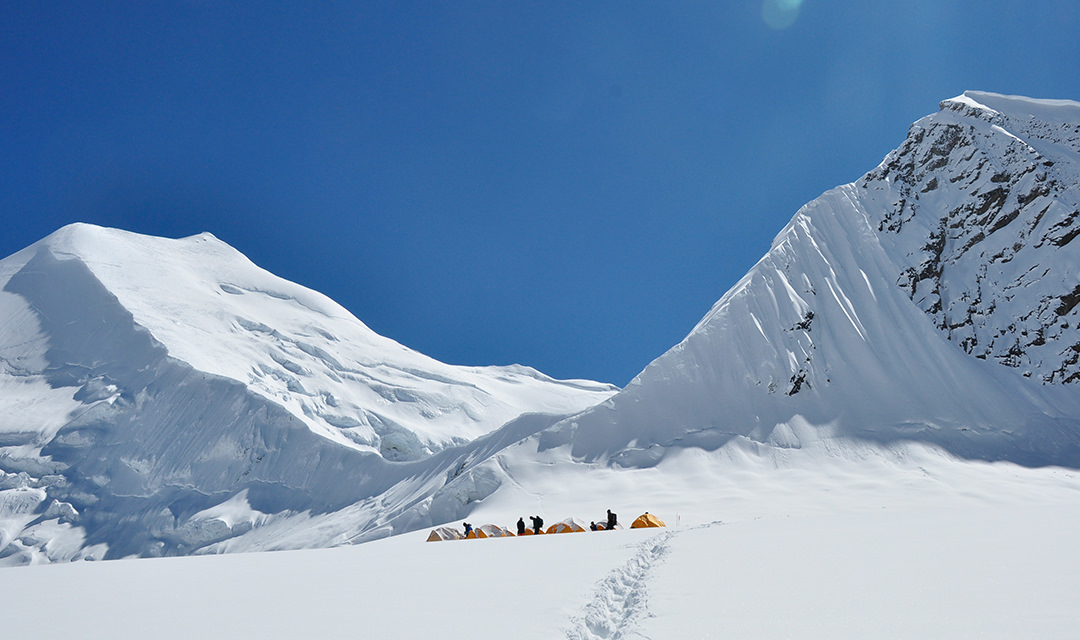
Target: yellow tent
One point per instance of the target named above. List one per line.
(570, 525)
(444, 533)
(647, 520)
(492, 531)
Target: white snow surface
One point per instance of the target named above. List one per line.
(904, 543)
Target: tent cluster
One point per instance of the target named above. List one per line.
(570, 525)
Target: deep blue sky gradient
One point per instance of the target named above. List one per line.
(564, 185)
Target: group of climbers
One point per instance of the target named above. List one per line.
(566, 526)
(612, 520)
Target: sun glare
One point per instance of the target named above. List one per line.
(780, 14)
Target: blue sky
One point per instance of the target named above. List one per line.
(564, 185)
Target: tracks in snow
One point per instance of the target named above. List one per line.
(621, 598)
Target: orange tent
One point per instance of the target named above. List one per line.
(444, 533)
(647, 520)
(570, 525)
(492, 531)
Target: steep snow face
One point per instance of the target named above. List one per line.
(981, 205)
(152, 389)
(863, 319)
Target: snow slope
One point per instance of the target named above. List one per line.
(146, 380)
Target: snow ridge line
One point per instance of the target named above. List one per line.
(621, 597)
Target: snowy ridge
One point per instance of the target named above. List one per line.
(211, 308)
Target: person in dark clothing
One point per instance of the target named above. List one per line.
(592, 526)
(521, 526)
(611, 520)
(468, 528)
(538, 522)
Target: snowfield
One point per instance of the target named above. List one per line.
(912, 544)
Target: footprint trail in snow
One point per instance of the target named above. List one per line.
(621, 598)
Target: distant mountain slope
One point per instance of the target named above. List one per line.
(886, 308)
(144, 380)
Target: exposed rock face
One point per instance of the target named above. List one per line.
(983, 199)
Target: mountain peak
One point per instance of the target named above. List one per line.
(1016, 107)
(980, 214)
(88, 235)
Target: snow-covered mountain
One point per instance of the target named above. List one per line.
(166, 396)
(980, 205)
(933, 300)
(144, 380)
